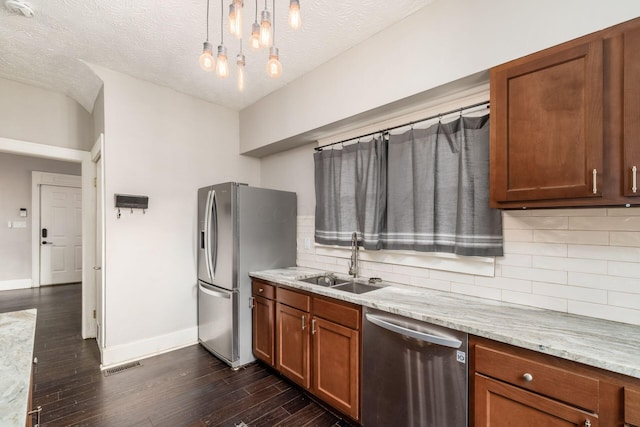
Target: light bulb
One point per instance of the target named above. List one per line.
(274, 67)
(294, 14)
(254, 41)
(265, 29)
(240, 61)
(233, 22)
(222, 66)
(238, 5)
(207, 63)
(235, 18)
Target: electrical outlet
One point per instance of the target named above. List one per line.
(307, 243)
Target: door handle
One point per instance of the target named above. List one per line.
(44, 242)
(213, 293)
(422, 336)
(97, 267)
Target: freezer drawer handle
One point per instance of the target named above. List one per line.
(214, 293)
(445, 341)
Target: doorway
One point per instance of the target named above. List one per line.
(26, 148)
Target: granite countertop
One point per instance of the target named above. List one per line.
(17, 334)
(600, 343)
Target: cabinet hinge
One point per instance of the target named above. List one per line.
(95, 182)
(94, 314)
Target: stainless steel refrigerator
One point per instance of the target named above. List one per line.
(240, 229)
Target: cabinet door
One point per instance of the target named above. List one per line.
(336, 365)
(631, 132)
(263, 329)
(292, 336)
(501, 405)
(547, 125)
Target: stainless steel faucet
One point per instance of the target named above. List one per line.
(353, 264)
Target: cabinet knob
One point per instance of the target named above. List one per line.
(527, 377)
(587, 423)
(260, 290)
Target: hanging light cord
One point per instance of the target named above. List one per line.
(207, 20)
(274, 20)
(256, 20)
(222, 22)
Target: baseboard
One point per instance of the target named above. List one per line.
(7, 285)
(124, 353)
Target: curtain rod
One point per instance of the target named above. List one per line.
(460, 110)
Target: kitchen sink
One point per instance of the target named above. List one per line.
(325, 280)
(356, 288)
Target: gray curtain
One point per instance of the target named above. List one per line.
(438, 190)
(351, 193)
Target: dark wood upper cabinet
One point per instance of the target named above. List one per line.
(547, 125)
(631, 134)
(565, 123)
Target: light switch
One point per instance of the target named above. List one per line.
(9, 224)
(19, 224)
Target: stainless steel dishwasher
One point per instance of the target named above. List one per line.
(413, 373)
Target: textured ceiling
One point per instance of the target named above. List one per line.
(160, 41)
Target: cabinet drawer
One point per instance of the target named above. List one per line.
(632, 407)
(561, 384)
(342, 313)
(263, 289)
(294, 299)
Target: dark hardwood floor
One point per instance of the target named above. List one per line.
(186, 387)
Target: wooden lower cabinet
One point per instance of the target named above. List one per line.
(263, 329)
(263, 315)
(336, 367)
(515, 387)
(316, 343)
(294, 341)
(499, 404)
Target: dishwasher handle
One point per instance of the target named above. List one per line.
(434, 339)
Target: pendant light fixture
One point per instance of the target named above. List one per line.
(207, 63)
(274, 67)
(254, 41)
(240, 62)
(263, 34)
(222, 65)
(294, 14)
(235, 18)
(265, 27)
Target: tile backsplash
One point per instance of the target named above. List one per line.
(580, 261)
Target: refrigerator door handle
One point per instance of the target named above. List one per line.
(214, 211)
(207, 234)
(217, 294)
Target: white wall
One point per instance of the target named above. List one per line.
(443, 42)
(15, 193)
(165, 145)
(28, 113)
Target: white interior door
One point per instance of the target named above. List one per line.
(61, 243)
(98, 261)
